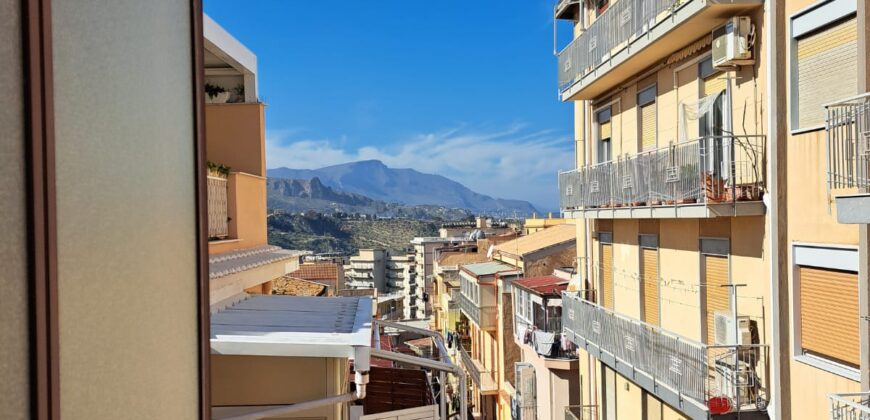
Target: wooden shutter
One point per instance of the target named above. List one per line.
(650, 266)
(712, 85)
(829, 313)
(718, 298)
(607, 275)
(827, 70)
(648, 126)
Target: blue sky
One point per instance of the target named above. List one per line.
(461, 88)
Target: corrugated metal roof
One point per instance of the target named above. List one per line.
(489, 268)
(227, 263)
(549, 237)
(293, 326)
(544, 285)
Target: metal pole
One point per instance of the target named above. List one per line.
(442, 377)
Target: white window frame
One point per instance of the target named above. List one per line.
(812, 18)
(824, 256)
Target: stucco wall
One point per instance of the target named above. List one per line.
(126, 216)
(246, 208)
(14, 388)
(235, 136)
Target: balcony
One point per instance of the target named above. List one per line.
(542, 336)
(701, 178)
(362, 266)
(581, 412)
(698, 379)
(218, 216)
(481, 376)
(486, 317)
(854, 406)
(847, 131)
(633, 35)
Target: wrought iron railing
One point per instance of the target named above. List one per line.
(621, 24)
(708, 170)
(218, 219)
(851, 406)
(581, 412)
(725, 378)
(847, 129)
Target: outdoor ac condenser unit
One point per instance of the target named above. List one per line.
(732, 43)
(724, 327)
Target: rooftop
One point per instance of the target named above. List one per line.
(543, 286)
(489, 268)
(321, 272)
(269, 325)
(292, 286)
(460, 258)
(227, 263)
(550, 237)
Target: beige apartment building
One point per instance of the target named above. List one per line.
(711, 140)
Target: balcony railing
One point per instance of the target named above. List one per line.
(544, 337)
(696, 378)
(853, 406)
(708, 170)
(581, 412)
(622, 23)
(847, 129)
(218, 219)
(485, 317)
(479, 375)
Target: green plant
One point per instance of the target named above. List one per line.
(239, 90)
(218, 168)
(213, 90)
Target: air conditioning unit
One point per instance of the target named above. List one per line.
(724, 328)
(732, 43)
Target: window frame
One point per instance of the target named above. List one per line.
(599, 141)
(824, 256)
(640, 104)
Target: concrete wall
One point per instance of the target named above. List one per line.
(14, 349)
(265, 380)
(126, 217)
(544, 266)
(235, 136)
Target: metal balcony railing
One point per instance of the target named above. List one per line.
(615, 29)
(485, 317)
(218, 219)
(707, 170)
(717, 378)
(852, 406)
(847, 129)
(581, 412)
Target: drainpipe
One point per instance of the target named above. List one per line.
(864, 230)
(777, 212)
(361, 379)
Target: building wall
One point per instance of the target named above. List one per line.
(556, 389)
(544, 266)
(267, 380)
(235, 136)
(14, 348)
(126, 216)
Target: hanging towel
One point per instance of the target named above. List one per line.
(544, 342)
(567, 345)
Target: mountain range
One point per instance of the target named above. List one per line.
(374, 180)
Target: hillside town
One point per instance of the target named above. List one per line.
(709, 259)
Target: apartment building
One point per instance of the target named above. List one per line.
(536, 223)
(421, 285)
(445, 315)
(367, 270)
(717, 144)
(484, 302)
(540, 252)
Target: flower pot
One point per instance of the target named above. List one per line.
(220, 98)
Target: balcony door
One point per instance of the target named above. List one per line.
(649, 268)
(715, 279)
(714, 119)
(606, 270)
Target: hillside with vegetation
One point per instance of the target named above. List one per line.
(322, 233)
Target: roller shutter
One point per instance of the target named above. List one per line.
(650, 266)
(713, 85)
(717, 298)
(829, 313)
(648, 126)
(827, 70)
(607, 275)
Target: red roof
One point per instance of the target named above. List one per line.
(545, 285)
(324, 273)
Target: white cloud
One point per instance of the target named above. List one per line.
(513, 162)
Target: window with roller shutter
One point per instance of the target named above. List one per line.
(824, 70)
(649, 266)
(603, 119)
(607, 275)
(646, 102)
(824, 331)
(716, 296)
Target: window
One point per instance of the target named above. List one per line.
(826, 316)
(602, 117)
(824, 68)
(646, 103)
(649, 266)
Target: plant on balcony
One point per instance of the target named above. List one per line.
(215, 94)
(239, 92)
(218, 169)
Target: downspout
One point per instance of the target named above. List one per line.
(361, 379)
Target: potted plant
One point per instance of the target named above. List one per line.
(239, 93)
(215, 94)
(218, 170)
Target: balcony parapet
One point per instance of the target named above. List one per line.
(481, 376)
(485, 317)
(847, 147)
(719, 176)
(698, 379)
